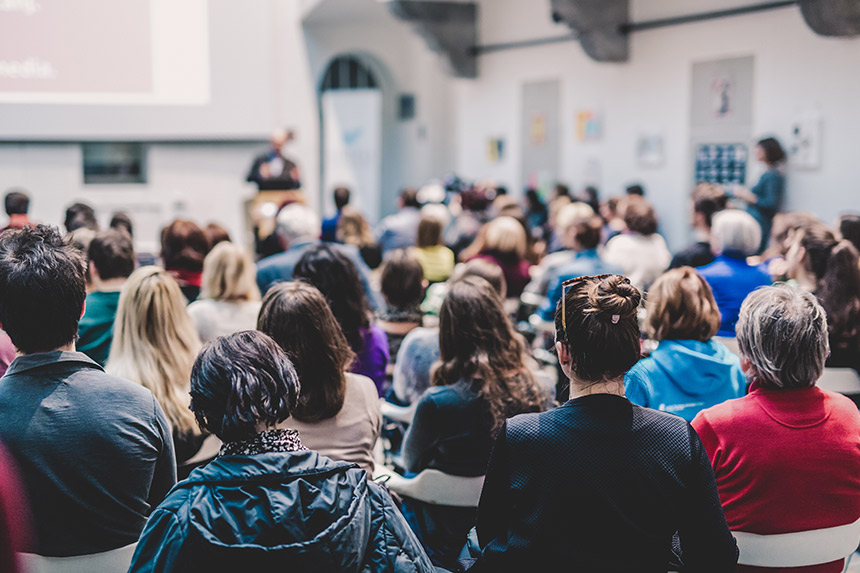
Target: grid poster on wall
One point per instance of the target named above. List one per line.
(721, 163)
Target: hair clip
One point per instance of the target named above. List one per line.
(615, 318)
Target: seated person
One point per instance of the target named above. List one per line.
(600, 484)
(267, 503)
(708, 199)
(437, 260)
(566, 223)
(735, 236)
(184, 246)
(689, 370)
(481, 380)
(504, 242)
(402, 284)
(787, 455)
(338, 412)
(111, 259)
(640, 251)
(94, 451)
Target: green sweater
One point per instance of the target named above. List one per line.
(95, 330)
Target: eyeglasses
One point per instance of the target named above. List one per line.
(566, 285)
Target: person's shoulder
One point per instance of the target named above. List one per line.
(201, 307)
(842, 405)
(362, 386)
(736, 411)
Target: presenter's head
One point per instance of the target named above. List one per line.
(279, 138)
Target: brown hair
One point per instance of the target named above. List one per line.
(353, 228)
(429, 232)
(490, 272)
(402, 280)
(638, 215)
(681, 306)
(215, 233)
(477, 343)
(297, 317)
(708, 199)
(183, 246)
(587, 233)
(600, 328)
(783, 229)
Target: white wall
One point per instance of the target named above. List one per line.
(795, 71)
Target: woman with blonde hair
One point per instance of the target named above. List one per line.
(503, 242)
(230, 299)
(689, 370)
(155, 345)
(353, 229)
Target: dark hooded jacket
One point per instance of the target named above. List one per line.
(296, 511)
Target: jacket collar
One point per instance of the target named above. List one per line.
(40, 359)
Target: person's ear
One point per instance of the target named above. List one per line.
(94, 273)
(745, 364)
(563, 354)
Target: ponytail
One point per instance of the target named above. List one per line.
(839, 293)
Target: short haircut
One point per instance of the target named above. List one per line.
(600, 327)
(681, 306)
(587, 233)
(736, 232)
(215, 234)
(429, 231)
(402, 280)
(638, 215)
(773, 151)
(42, 288)
(229, 274)
(122, 221)
(241, 381)
(183, 246)
(112, 253)
(297, 221)
(782, 332)
(635, 189)
(341, 197)
(571, 214)
(709, 199)
(80, 215)
(17, 203)
(409, 197)
(490, 272)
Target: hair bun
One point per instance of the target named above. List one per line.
(614, 296)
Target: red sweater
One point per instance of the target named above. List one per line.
(785, 461)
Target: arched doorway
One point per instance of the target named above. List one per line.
(351, 116)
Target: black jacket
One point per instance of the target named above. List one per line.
(296, 511)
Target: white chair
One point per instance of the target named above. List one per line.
(434, 487)
(397, 413)
(842, 380)
(799, 549)
(113, 561)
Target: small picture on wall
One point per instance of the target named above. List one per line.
(537, 129)
(588, 125)
(649, 150)
(722, 97)
(495, 149)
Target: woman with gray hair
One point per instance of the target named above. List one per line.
(735, 235)
(786, 456)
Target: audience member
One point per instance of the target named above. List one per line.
(338, 412)
(708, 199)
(787, 455)
(122, 222)
(229, 300)
(765, 199)
(849, 228)
(735, 236)
(329, 225)
(466, 227)
(398, 231)
(635, 190)
(154, 344)
(504, 243)
(536, 214)
(94, 451)
(17, 205)
(828, 267)
(111, 261)
(785, 225)
(80, 215)
(600, 483)
(584, 242)
(15, 534)
(639, 251)
(481, 380)
(215, 234)
(337, 278)
(591, 196)
(402, 284)
(567, 221)
(267, 503)
(420, 349)
(298, 231)
(613, 223)
(689, 370)
(184, 245)
(353, 229)
(436, 260)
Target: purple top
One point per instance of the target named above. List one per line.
(373, 359)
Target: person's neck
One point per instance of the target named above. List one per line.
(805, 281)
(18, 220)
(613, 387)
(70, 347)
(109, 285)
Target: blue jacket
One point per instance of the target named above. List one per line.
(297, 511)
(731, 280)
(685, 376)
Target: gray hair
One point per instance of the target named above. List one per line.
(782, 331)
(297, 221)
(735, 230)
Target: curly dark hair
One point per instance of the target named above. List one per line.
(240, 381)
(337, 278)
(478, 343)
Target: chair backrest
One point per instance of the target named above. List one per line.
(799, 549)
(437, 488)
(114, 561)
(842, 380)
(397, 413)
